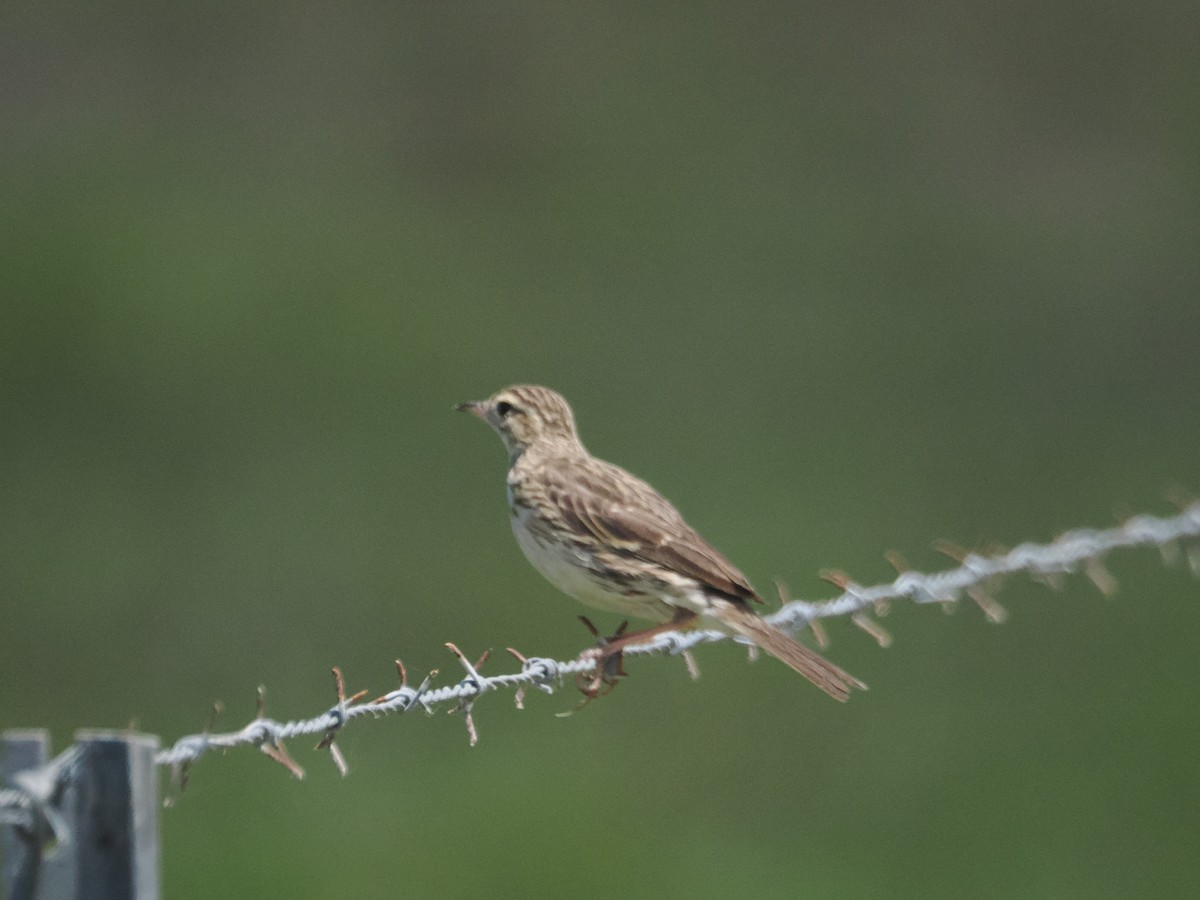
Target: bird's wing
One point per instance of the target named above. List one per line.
(631, 518)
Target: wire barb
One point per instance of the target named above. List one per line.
(337, 720)
(466, 703)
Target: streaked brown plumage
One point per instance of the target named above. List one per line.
(611, 541)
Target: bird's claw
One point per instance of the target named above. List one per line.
(608, 670)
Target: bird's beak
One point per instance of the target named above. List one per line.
(477, 408)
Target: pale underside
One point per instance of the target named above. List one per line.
(620, 525)
(568, 570)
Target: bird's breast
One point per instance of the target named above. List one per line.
(575, 572)
(558, 562)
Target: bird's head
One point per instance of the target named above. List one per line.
(527, 415)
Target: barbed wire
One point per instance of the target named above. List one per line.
(977, 576)
(15, 808)
(30, 804)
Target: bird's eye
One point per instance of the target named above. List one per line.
(504, 408)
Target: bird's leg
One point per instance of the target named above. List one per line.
(610, 652)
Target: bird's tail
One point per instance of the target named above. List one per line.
(834, 681)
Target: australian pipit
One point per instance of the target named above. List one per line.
(611, 541)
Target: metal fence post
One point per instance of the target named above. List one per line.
(21, 851)
(109, 807)
(115, 817)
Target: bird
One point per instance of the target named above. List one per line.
(611, 541)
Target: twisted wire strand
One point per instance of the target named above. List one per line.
(974, 576)
(16, 808)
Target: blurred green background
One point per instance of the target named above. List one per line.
(836, 278)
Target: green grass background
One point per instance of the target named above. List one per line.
(836, 278)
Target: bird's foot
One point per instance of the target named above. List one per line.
(604, 677)
(608, 656)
